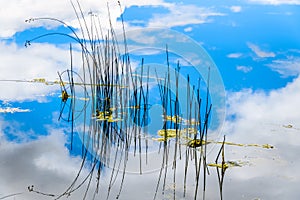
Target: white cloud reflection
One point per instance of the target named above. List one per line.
(13, 110)
(44, 163)
(14, 13)
(276, 2)
(264, 118)
(20, 64)
(234, 55)
(244, 69)
(181, 15)
(236, 9)
(259, 52)
(286, 67)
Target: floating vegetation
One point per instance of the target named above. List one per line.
(290, 126)
(227, 164)
(174, 119)
(282, 125)
(196, 143)
(265, 146)
(287, 126)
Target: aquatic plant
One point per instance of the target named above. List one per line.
(107, 103)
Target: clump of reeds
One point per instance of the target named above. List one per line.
(115, 116)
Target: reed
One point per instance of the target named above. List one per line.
(114, 118)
